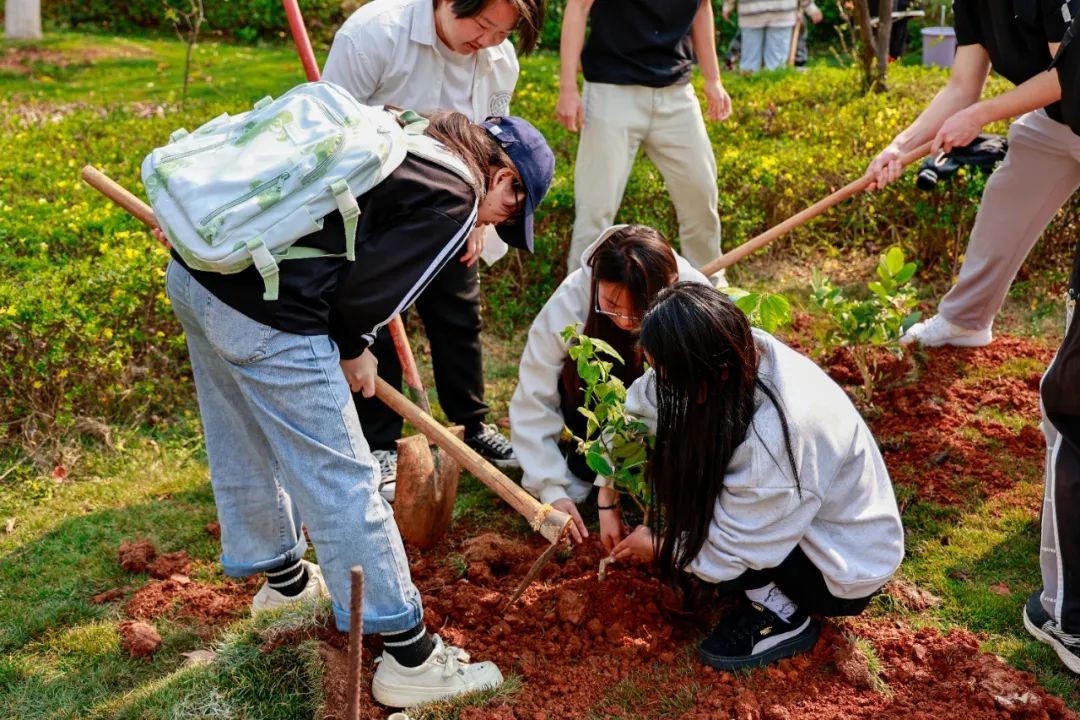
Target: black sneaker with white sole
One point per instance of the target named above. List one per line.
(1044, 629)
(493, 446)
(753, 635)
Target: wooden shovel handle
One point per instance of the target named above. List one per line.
(545, 519)
(119, 195)
(852, 188)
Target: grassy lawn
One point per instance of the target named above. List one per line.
(60, 655)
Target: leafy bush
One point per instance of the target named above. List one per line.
(245, 20)
(876, 321)
(65, 249)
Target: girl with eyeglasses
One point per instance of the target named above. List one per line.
(764, 477)
(620, 274)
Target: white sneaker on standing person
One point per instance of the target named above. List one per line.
(428, 55)
(1041, 170)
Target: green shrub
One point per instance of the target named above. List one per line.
(244, 20)
(66, 250)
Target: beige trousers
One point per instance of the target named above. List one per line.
(1040, 173)
(668, 124)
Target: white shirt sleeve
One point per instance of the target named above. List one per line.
(536, 419)
(348, 66)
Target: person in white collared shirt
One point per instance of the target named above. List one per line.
(427, 55)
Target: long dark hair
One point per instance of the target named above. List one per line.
(477, 148)
(638, 258)
(706, 362)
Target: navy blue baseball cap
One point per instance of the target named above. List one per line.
(535, 164)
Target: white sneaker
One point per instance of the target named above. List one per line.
(938, 331)
(387, 460)
(446, 673)
(268, 598)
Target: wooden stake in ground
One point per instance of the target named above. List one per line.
(356, 643)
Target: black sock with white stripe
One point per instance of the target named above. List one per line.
(410, 648)
(289, 579)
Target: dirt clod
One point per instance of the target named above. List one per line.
(136, 556)
(138, 638)
(169, 564)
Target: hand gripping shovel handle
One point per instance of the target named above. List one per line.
(546, 520)
(397, 328)
(753, 245)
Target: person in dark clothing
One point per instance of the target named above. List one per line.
(1016, 38)
(273, 380)
(1052, 613)
(637, 62)
(428, 55)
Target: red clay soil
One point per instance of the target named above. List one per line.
(180, 596)
(176, 594)
(139, 639)
(936, 418)
(623, 648)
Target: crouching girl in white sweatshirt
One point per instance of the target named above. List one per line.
(764, 475)
(620, 275)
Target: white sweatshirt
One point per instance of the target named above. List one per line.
(846, 521)
(536, 419)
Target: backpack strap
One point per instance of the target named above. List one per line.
(431, 149)
(350, 213)
(266, 264)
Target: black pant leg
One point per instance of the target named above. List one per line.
(801, 581)
(1060, 394)
(381, 425)
(450, 309)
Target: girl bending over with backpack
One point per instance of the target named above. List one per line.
(620, 274)
(274, 379)
(764, 477)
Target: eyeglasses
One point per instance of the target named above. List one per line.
(617, 316)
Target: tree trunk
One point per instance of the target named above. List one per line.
(22, 19)
(874, 44)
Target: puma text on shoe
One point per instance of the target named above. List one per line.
(753, 636)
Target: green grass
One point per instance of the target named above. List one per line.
(104, 69)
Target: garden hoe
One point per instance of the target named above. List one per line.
(852, 188)
(426, 483)
(552, 524)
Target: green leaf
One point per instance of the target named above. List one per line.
(894, 259)
(775, 312)
(599, 464)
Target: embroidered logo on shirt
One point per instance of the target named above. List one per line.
(499, 104)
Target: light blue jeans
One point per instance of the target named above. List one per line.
(284, 442)
(768, 45)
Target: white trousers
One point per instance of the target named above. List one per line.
(668, 124)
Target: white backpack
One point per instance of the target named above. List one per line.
(242, 189)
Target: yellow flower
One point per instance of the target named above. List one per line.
(37, 384)
(108, 333)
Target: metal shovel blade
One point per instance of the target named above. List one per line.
(426, 490)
